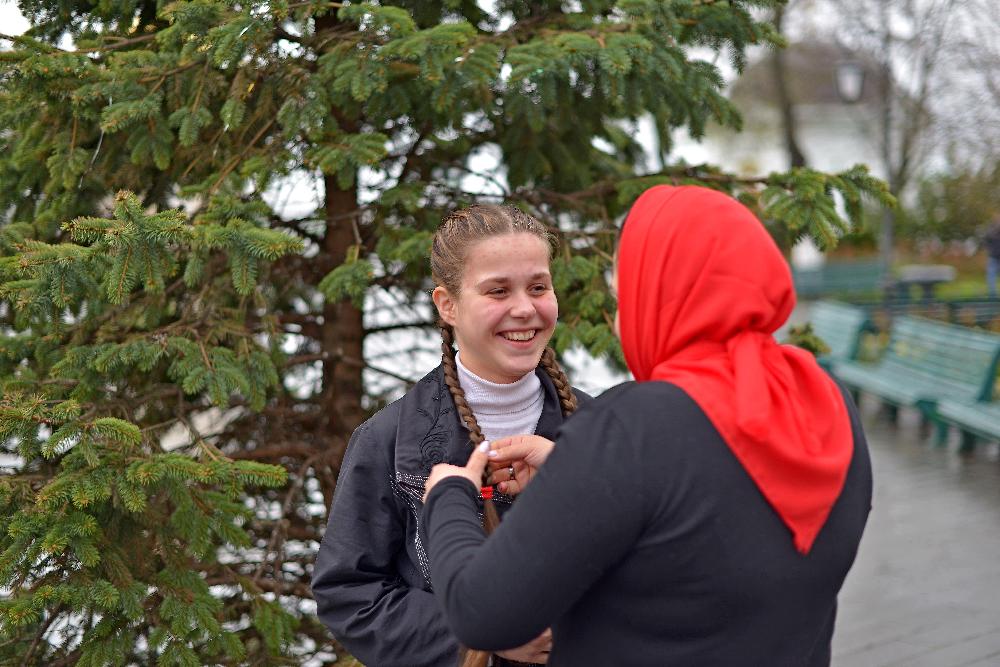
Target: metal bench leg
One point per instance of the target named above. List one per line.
(892, 411)
(941, 433)
(968, 443)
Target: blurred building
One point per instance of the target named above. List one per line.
(834, 97)
(835, 105)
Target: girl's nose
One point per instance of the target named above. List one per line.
(522, 306)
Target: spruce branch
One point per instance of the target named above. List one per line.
(281, 526)
(233, 163)
(120, 44)
(44, 628)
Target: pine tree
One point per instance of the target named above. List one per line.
(182, 363)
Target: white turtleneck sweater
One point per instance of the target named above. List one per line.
(502, 409)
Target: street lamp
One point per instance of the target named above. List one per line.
(850, 80)
(850, 74)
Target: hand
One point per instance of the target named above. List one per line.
(536, 651)
(472, 471)
(524, 454)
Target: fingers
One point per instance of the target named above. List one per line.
(533, 449)
(514, 448)
(506, 482)
(501, 444)
(502, 473)
(477, 462)
(439, 472)
(511, 488)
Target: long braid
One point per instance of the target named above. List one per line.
(491, 519)
(451, 379)
(567, 399)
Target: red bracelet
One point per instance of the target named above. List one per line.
(487, 492)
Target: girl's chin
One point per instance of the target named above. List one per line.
(518, 368)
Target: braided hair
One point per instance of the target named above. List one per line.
(457, 233)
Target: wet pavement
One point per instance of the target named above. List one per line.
(925, 590)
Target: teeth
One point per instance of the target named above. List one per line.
(519, 335)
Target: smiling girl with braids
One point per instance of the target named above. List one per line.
(494, 295)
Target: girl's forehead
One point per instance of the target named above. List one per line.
(509, 257)
(509, 247)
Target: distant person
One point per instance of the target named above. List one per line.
(706, 514)
(495, 299)
(992, 243)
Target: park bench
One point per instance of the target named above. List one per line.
(890, 307)
(974, 420)
(975, 311)
(840, 277)
(841, 327)
(927, 362)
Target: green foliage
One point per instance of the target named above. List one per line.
(349, 280)
(343, 156)
(953, 207)
(803, 202)
(181, 364)
(103, 523)
(803, 336)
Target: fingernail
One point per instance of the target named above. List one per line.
(494, 453)
(484, 446)
(502, 486)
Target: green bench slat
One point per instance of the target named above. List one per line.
(982, 419)
(839, 278)
(926, 362)
(840, 326)
(902, 388)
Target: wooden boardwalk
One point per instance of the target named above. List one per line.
(925, 590)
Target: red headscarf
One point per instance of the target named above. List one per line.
(702, 288)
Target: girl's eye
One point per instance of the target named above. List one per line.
(498, 291)
(538, 289)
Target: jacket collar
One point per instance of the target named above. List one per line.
(430, 430)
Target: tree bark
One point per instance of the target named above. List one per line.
(342, 328)
(789, 125)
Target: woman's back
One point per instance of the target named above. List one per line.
(714, 577)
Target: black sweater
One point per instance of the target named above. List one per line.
(643, 541)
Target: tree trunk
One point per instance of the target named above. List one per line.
(342, 327)
(789, 126)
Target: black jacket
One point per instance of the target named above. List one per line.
(371, 580)
(677, 560)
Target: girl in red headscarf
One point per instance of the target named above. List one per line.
(727, 488)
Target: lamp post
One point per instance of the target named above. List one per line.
(850, 75)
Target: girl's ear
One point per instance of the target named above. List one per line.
(445, 304)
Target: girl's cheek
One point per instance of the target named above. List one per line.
(491, 314)
(550, 310)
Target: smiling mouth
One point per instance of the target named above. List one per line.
(519, 335)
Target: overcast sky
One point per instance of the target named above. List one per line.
(11, 20)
